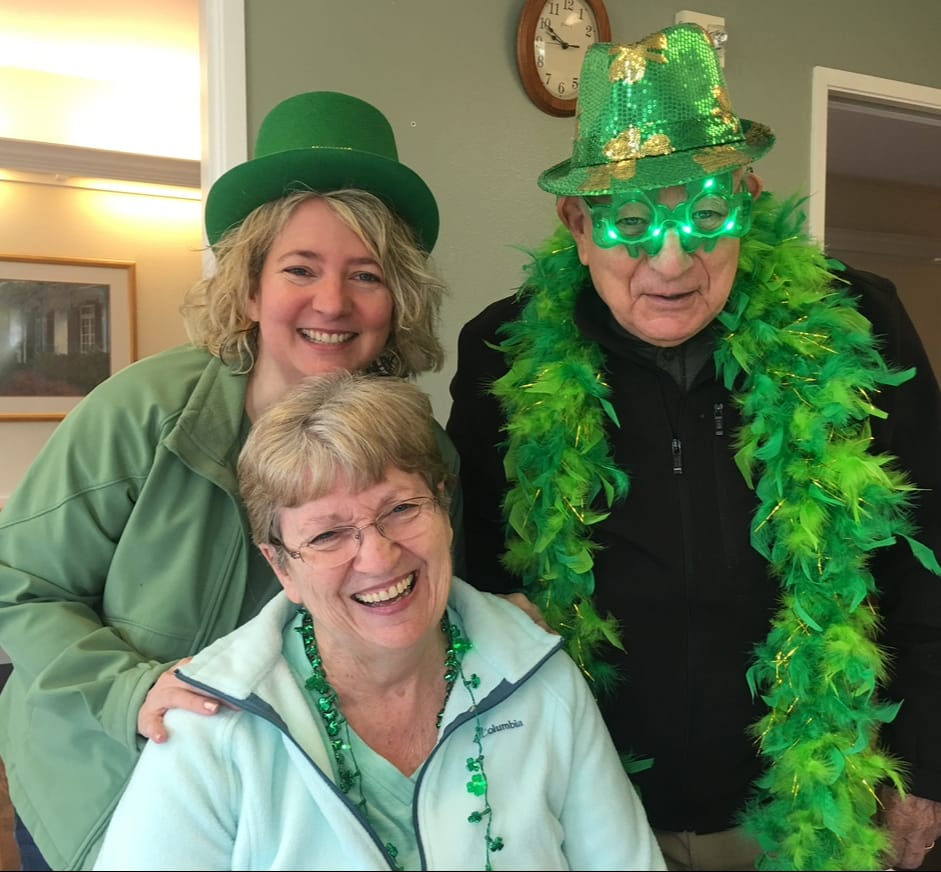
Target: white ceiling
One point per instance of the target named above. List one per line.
(150, 49)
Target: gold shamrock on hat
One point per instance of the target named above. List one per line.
(630, 61)
(724, 108)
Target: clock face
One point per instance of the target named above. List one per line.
(564, 32)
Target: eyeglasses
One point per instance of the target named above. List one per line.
(710, 212)
(339, 545)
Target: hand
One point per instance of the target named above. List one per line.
(523, 602)
(913, 822)
(169, 692)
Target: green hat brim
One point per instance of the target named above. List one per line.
(242, 189)
(658, 171)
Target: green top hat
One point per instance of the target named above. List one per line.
(322, 141)
(654, 114)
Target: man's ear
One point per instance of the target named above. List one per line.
(754, 185)
(573, 213)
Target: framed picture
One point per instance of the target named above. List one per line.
(65, 326)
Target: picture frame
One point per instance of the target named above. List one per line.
(66, 324)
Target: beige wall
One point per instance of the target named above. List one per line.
(162, 236)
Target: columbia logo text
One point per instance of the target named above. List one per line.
(512, 724)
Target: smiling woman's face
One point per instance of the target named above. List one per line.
(389, 594)
(322, 302)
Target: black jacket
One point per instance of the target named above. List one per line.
(677, 568)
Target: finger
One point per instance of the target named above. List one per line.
(152, 727)
(912, 858)
(150, 718)
(912, 854)
(182, 698)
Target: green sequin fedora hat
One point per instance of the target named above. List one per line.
(653, 114)
(322, 141)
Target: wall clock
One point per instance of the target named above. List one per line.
(551, 41)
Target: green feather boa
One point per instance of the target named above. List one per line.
(802, 364)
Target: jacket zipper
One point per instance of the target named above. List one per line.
(676, 447)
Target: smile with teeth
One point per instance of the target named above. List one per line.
(326, 338)
(389, 595)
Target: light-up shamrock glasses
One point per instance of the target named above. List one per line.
(710, 211)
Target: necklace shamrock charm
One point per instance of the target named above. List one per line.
(348, 775)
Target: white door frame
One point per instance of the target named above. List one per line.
(827, 81)
(224, 92)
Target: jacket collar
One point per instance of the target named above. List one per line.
(208, 434)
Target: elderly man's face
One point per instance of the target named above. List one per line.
(663, 299)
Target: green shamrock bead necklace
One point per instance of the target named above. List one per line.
(349, 777)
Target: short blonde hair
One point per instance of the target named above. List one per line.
(336, 427)
(215, 310)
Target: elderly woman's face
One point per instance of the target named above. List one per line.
(322, 302)
(381, 593)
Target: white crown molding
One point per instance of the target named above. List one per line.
(68, 161)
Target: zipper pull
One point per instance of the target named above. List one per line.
(677, 448)
(718, 418)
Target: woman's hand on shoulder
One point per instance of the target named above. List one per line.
(167, 693)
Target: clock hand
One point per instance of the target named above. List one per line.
(558, 38)
(554, 35)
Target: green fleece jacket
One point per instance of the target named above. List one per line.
(124, 548)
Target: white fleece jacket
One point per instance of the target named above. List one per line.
(252, 789)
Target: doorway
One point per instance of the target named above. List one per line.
(876, 185)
